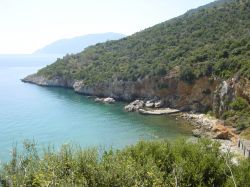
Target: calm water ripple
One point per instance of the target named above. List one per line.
(57, 116)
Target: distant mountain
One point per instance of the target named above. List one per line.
(77, 44)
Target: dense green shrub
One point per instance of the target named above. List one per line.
(239, 104)
(187, 74)
(156, 163)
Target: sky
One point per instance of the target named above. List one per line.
(27, 25)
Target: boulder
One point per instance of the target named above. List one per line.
(197, 133)
(134, 106)
(224, 135)
(150, 104)
(98, 100)
(159, 104)
(109, 100)
(222, 132)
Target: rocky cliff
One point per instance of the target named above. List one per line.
(50, 82)
(201, 95)
(227, 91)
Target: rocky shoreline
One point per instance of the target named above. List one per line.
(205, 126)
(205, 93)
(214, 129)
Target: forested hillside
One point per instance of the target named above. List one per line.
(199, 62)
(213, 40)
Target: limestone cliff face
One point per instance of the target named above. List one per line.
(44, 81)
(201, 95)
(227, 90)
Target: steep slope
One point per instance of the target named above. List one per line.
(77, 44)
(198, 61)
(217, 39)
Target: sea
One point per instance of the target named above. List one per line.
(56, 116)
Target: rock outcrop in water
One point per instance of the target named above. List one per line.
(134, 106)
(109, 100)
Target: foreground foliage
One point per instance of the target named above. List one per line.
(158, 163)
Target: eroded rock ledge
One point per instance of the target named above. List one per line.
(210, 127)
(44, 81)
(170, 91)
(204, 94)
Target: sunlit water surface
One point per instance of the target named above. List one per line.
(57, 116)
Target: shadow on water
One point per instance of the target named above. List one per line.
(164, 123)
(58, 115)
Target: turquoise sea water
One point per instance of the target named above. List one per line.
(56, 115)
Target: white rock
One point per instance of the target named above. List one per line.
(159, 104)
(105, 100)
(134, 106)
(98, 100)
(109, 100)
(150, 104)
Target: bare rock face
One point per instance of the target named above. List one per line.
(243, 89)
(217, 130)
(205, 93)
(227, 91)
(222, 132)
(134, 106)
(169, 90)
(222, 95)
(78, 85)
(44, 81)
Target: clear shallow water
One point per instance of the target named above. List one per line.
(56, 115)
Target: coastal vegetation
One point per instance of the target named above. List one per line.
(153, 163)
(239, 114)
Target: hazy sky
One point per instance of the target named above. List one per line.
(27, 25)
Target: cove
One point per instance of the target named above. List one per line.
(57, 116)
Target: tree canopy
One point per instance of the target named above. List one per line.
(212, 40)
